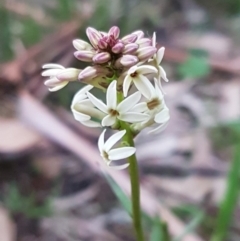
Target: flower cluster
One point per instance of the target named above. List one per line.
(123, 68)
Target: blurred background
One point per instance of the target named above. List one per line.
(51, 188)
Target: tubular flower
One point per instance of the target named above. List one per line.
(59, 76)
(83, 109)
(108, 154)
(115, 111)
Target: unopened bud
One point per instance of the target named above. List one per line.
(101, 58)
(94, 36)
(69, 74)
(130, 38)
(115, 31)
(118, 48)
(84, 55)
(81, 45)
(102, 44)
(130, 48)
(128, 60)
(139, 33)
(144, 42)
(146, 52)
(88, 72)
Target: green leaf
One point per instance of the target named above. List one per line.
(229, 201)
(195, 66)
(192, 225)
(157, 232)
(123, 198)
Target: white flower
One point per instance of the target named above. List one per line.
(157, 59)
(59, 76)
(121, 111)
(83, 109)
(108, 154)
(136, 75)
(156, 109)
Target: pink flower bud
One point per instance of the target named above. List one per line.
(130, 48)
(144, 42)
(115, 31)
(94, 36)
(102, 44)
(131, 38)
(128, 60)
(88, 72)
(117, 48)
(101, 58)
(81, 45)
(146, 52)
(139, 33)
(84, 55)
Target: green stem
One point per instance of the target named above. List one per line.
(135, 187)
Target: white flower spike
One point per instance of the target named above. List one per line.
(136, 74)
(108, 154)
(121, 111)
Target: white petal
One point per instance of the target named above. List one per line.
(154, 40)
(91, 123)
(140, 107)
(112, 95)
(129, 102)
(133, 117)
(98, 103)
(52, 66)
(51, 72)
(163, 116)
(108, 120)
(114, 139)
(126, 84)
(163, 73)
(158, 129)
(80, 116)
(144, 85)
(146, 69)
(160, 54)
(81, 94)
(101, 141)
(158, 91)
(121, 153)
(58, 87)
(118, 167)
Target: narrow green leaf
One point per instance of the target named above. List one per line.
(229, 200)
(192, 225)
(156, 234)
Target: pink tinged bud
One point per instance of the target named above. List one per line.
(118, 48)
(102, 44)
(130, 48)
(131, 38)
(84, 55)
(81, 45)
(52, 82)
(144, 42)
(94, 36)
(88, 72)
(115, 31)
(139, 33)
(101, 58)
(146, 52)
(70, 74)
(128, 60)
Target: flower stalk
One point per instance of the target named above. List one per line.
(125, 69)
